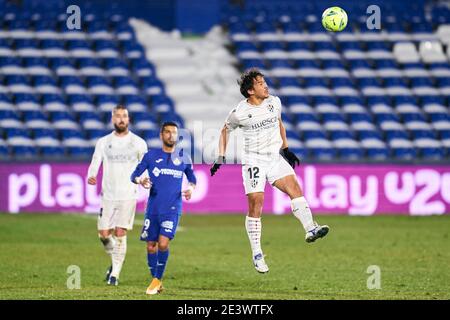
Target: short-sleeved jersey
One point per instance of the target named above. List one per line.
(119, 156)
(261, 130)
(166, 174)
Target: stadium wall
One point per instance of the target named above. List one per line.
(330, 189)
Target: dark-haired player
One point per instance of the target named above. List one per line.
(165, 168)
(266, 157)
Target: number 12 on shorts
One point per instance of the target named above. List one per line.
(253, 172)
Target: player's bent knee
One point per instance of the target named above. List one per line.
(163, 243)
(104, 233)
(120, 232)
(163, 246)
(255, 204)
(152, 247)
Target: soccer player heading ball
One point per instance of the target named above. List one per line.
(120, 152)
(266, 157)
(165, 167)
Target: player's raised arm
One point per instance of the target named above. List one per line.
(141, 167)
(95, 163)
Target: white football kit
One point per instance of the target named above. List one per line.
(119, 156)
(261, 159)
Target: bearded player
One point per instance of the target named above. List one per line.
(266, 157)
(119, 152)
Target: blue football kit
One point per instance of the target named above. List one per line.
(164, 204)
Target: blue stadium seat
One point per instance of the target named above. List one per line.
(313, 134)
(80, 152)
(8, 114)
(61, 115)
(24, 152)
(44, 133)
(323, 153)
(96, 133)
(17, 132)
(340, 134)
(53, 152)
(4, 151)
(71, 133)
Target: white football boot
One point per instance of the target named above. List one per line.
(260, 264)
(317, 232)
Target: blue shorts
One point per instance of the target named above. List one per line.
(156, 225)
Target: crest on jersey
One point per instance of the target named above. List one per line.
(270, 107)
(249, 115)
(176, 161)
(254, 183)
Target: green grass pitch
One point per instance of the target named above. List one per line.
(210, 259)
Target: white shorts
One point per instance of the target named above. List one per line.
(116, 214)
(255, 176)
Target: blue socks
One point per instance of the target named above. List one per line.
(152, 260)
(163, 256)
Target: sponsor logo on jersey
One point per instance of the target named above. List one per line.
(167, 225)
(156, 172)
(159, 160)
(121, 158)
(264, 123)
(178, 174)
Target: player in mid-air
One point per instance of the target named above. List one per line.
(119, 152)
(165, 167)
(266, 157)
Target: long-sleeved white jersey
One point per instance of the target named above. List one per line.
(119, 156)
(261, 130)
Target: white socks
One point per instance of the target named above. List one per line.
(254, 227)
(301, 211)
(118, 255)
(108, 243)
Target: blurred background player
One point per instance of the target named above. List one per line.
(119, 152)
(266, 157)
(165, 167)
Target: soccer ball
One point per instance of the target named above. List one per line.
(334, 19)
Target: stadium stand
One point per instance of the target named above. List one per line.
(58, 87)
(358, 95)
